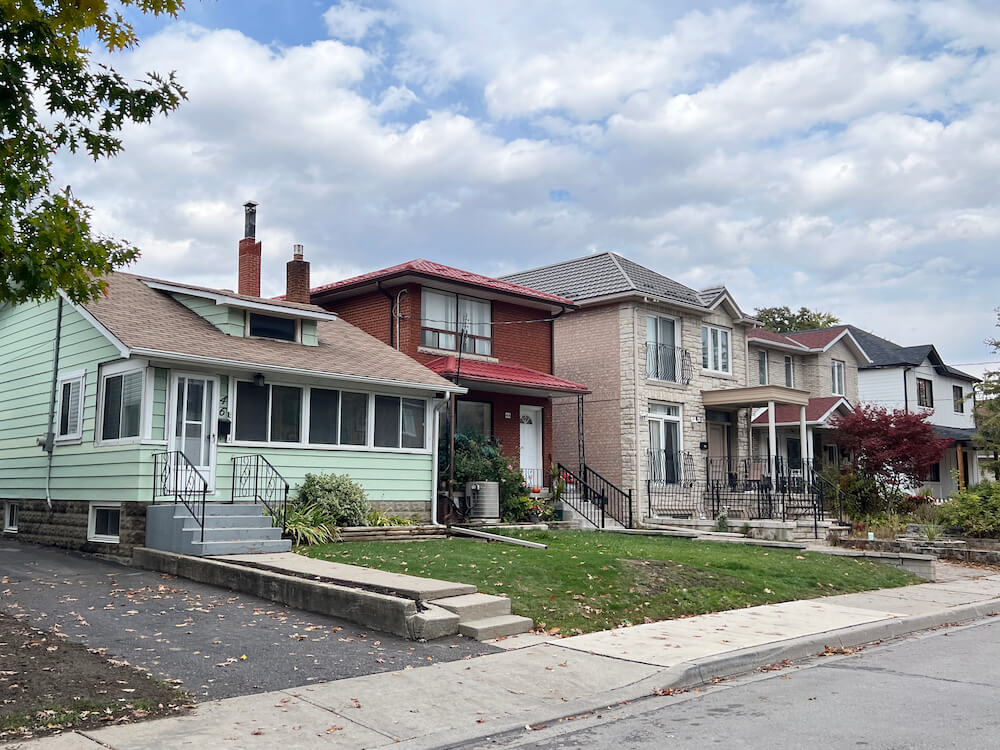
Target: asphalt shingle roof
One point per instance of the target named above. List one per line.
(145, 318)
(885, 353)
(602, 275)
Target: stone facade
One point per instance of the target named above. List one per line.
(412, 510)
(66, 524)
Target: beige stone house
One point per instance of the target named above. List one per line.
(674, 392)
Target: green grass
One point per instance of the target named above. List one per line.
(591, 581)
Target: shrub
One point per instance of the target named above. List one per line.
(975, 512)
(516, 509)
(339, 498)
(478, 459)
(378, 518)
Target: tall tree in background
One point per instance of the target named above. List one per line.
(783, 320)
(988, 412)
(53, 97)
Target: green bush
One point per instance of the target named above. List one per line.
(478, 459)
(309, 524)
(339, 498)
(975, 512)
(516, 509)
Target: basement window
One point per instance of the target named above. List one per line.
(104, 524)
(10, 511)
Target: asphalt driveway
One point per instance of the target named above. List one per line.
(215, 643)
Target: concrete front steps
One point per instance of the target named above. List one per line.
(484, 616)
(230, 529)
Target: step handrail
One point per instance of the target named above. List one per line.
(591, 505)
(255, 477)
(619, 505)
(174, 465)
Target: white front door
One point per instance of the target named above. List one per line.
(531, 444)
(192, 422)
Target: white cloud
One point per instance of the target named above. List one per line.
(352, 21)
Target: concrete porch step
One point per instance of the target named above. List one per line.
(470, 607)
(495, 627)
(249, 547)
(234, 533)
(226, 522)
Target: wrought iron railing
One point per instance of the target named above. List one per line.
(255, 478)
(176, 477)
(669, 363)
(595, 498)
(750, 488)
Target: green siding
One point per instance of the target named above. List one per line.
(385, 476)
(229, 320)
(79, 471)
(158, 426)
(309, 335)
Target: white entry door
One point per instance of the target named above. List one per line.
(192, 422)
(531, 445)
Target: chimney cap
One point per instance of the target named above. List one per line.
(250, 204)
(250, 220)
(297, 251)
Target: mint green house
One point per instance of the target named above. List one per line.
(138, 419)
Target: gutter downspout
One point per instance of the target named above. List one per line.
(436, 438)
(48, 442)
(391, 311)
(397, 316)
(906, 395)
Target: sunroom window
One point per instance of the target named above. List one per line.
(268, 413)
(399, 422)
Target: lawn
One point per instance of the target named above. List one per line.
(588, 581)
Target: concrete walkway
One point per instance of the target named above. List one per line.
(535, 682)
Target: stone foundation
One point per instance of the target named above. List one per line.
(413, 510)
(65, 525)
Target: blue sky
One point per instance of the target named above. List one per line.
(838, 154)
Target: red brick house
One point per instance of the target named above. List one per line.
(493, 337)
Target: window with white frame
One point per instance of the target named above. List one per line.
(104, 524)
(925, 393)
(10, 511)
(661, 353)
(399, 422)
(446, 315)
(789, 372)
(665, 447)
(762, 367)
(838, 372)
(69, 405)
(715, 350)
(268, 413)
(121, 405)
(272, 327)
(958, 399)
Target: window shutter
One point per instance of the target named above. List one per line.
(73, 418)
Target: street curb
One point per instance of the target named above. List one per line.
(692, 674)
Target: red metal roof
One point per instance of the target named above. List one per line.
(778, 338)
(790, 414)
(448, 273)
(491, 372)
(817, 339)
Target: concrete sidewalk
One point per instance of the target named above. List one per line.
(539, 681)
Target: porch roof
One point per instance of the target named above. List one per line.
(818, 411)
(755, 395)
(505, 378)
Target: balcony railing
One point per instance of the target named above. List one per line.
(669, 363)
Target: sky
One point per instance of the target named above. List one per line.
(842, 155)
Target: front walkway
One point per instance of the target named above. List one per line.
(539, 682)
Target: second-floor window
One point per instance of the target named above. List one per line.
(661, 354)
(445, 316)
(925, 393)
(762, 367)
(839, 373)
(715, 350)
(789, 372)
(958, 397)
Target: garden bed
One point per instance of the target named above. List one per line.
(48, 684)
(588, 581)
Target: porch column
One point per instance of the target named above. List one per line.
(803, 436)
(810, 438)
(772, 439)
(961, 469)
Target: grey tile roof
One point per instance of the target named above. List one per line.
(954, 433)
(602, 275)
(885, 353)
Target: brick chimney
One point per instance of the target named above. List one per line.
(297, 277)
(249, 281)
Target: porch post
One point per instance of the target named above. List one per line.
(803, 446)
(772, 439)
(961, 469)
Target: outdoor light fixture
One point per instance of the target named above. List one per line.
(258, 380)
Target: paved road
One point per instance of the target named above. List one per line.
(935, 691)
(181, 630)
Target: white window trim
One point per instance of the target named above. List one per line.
(679, 419)
(959, 406)
(843, 377)
(7, 528)
(456, 296)
(246, 327)
(69, 377)
(767, 366)
(789, 363)
(92, 536)
(120, 368)
(304, 443)
(729, 336)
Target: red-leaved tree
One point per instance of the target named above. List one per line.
(892, 449)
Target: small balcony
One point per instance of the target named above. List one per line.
(671, 364)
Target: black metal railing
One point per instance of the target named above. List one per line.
(670, 363)
(746, 487)
(176, 477)
(255, 478)
(595, 498)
